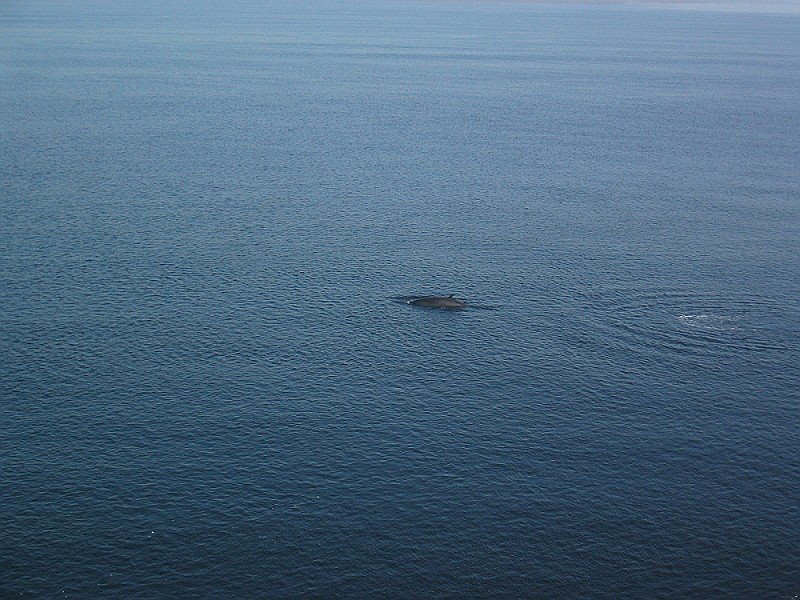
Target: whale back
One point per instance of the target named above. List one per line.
(438, 302)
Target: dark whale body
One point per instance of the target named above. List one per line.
(438, 302)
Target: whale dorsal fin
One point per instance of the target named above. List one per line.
(450, 296)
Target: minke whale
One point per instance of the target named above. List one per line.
(438, 302)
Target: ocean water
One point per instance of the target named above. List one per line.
(209, 386)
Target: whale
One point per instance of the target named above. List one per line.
(438, 302)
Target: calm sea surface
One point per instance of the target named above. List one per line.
(210, 387)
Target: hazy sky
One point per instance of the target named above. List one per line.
(735, 5)
(781, 6)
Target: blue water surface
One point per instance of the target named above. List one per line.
(209, 388)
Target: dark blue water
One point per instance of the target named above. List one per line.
(209, 388)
